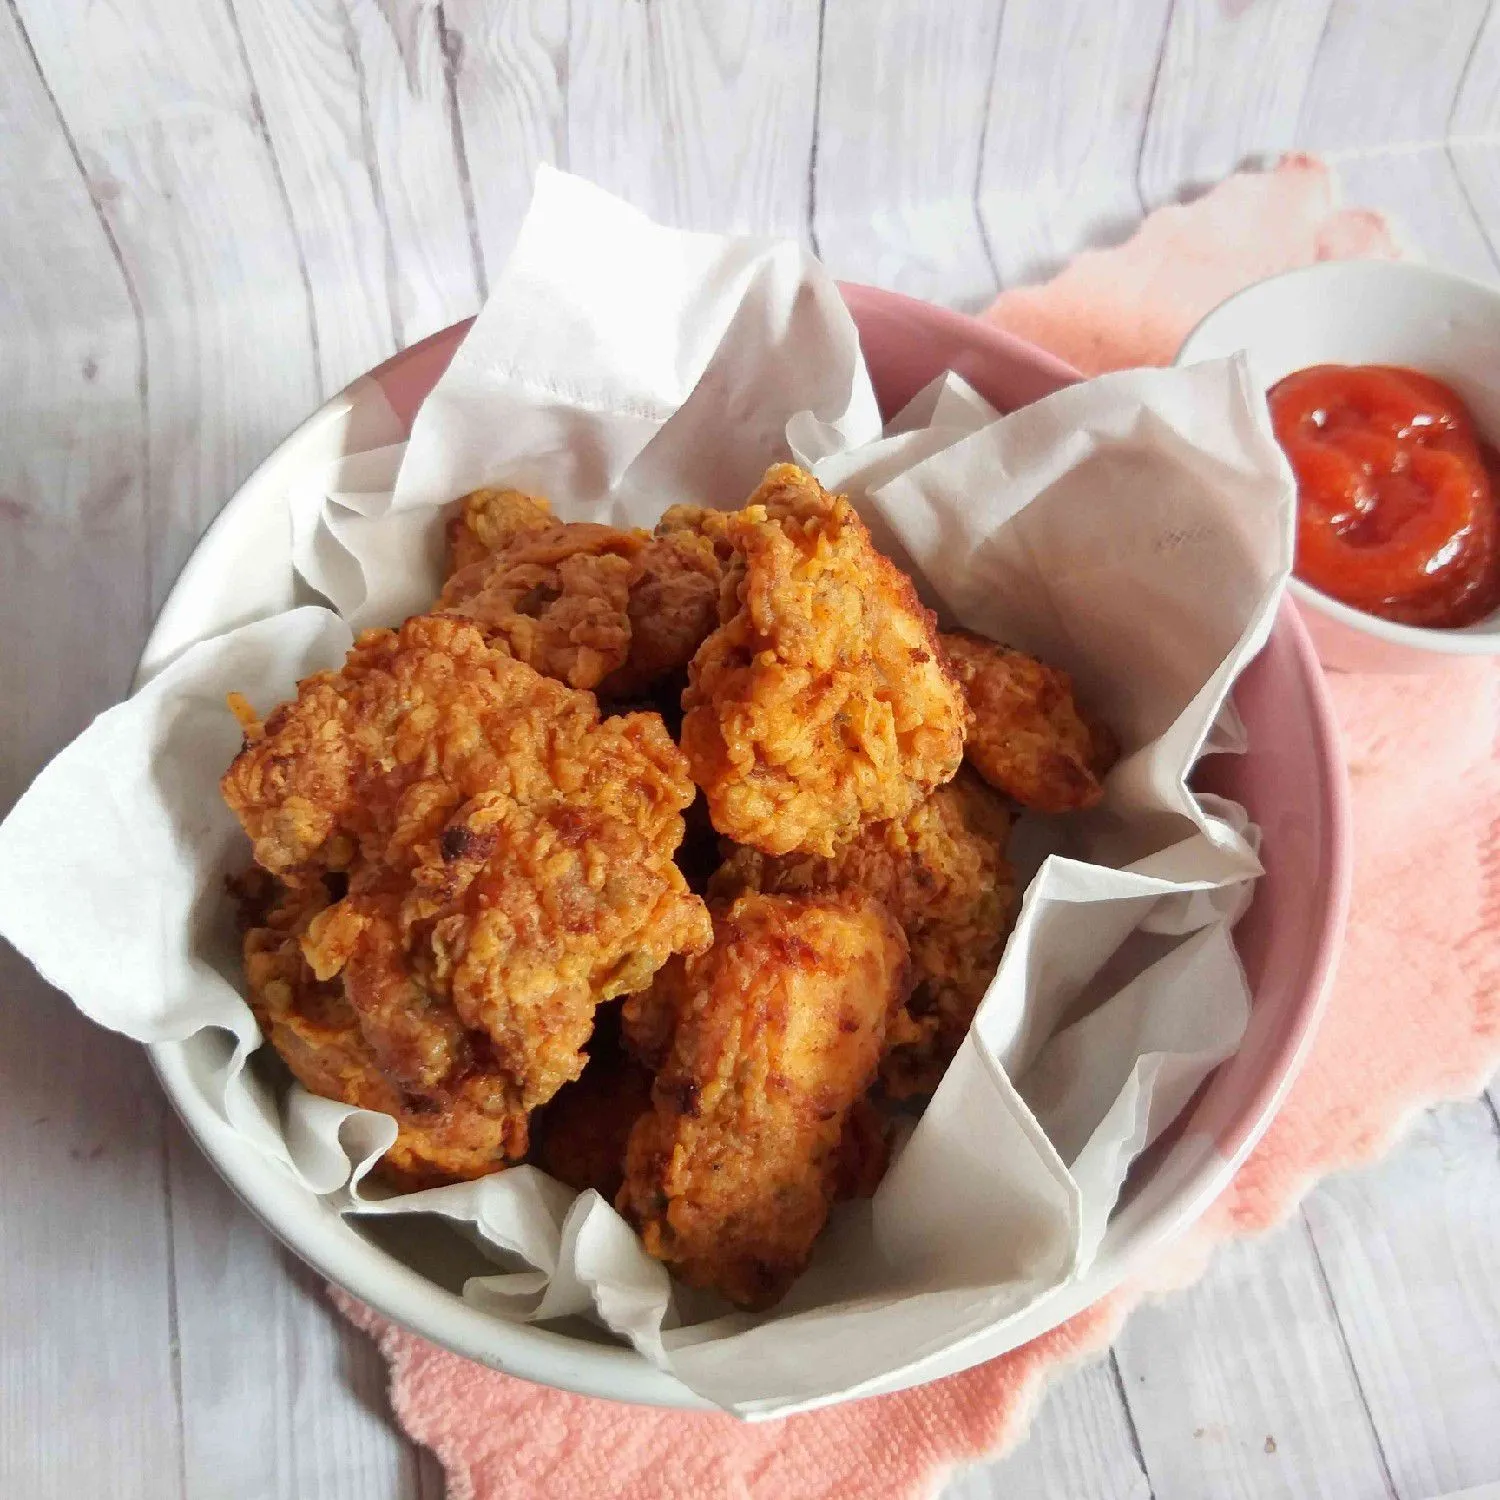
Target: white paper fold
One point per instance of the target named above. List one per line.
(1134, 529)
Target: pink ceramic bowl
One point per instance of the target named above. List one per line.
(1292, 781)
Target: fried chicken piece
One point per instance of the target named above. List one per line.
(698, 520)
(593, 606)
(673, 604)
(556, 594)
(648, 1021)
(509, 856)
(823, 699)
(463, 1129)
(581, 1135)
(730, 1176)
(941, 871)
(1028, 737)
(488, 520)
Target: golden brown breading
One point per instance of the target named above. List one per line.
(823, 701)
(697, 520)
(593, 606)
(460, 1126)
(648, 1018)
(1028, 737)
(581, 1135)
(556, 596)
(730, 1175)
(673, 604)
(510, 856)
(942, 872)
(488, 520)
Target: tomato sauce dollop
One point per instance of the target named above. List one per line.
(1396, 493)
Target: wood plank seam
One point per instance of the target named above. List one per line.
(450, 44)
(142, 372)
(372, 166)
(263, 130)
(1463, 79)
(1130, 1427)
(1151, 104)
(1317, 52)
(817, 125)
(985, 243)
(174, 1340)
(1348, 1353)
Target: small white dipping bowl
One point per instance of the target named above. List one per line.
(1370, 313)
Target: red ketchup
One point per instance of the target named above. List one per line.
(1396, 493)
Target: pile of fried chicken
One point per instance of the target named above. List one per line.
(728, 774)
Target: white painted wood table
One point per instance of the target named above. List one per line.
(216, 212)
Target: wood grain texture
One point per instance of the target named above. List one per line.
(1229, 89)
(406, 65)
(508, 75)
(73, 440)
(902, 96)
(1387, 72)
(85, 1278)
(311, 87)
(1426, 201)
(1067, 113)
(1080, 1443)
(702, 115)
(284, 1399)
(1410, 1251)
(1242, 1385)
(171, 132)
(88, 1380)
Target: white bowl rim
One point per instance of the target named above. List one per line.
(1480, 639)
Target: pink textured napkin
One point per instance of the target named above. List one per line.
(1414, 1017)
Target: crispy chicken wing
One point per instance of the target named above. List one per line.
(823, 700)
(1028, 737)
(508, 855)
(461, 1126)
(730, 1175)
(941, 871)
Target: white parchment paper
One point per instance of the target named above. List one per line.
(1134, 529)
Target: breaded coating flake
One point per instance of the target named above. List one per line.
(490, 520)
(942, 873)
(508, 856)
(1028, 737)
(593, 606)
(672, 605)
(464, 1128)
(730, 1176)
(557, 596)
(823, 700)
